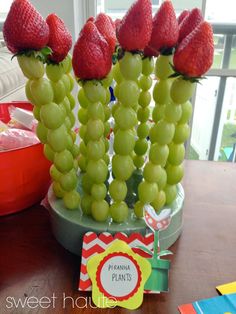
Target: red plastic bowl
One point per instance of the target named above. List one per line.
(24, 172)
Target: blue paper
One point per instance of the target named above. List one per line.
(217, 305)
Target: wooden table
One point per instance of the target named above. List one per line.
(32, 263)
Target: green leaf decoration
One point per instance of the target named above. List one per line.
(164, 252)
(143, 248)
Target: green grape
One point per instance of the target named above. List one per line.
(82, 163)
(83, 115)
(66, 81)
(128, 93)
(58, 139)
(118, 190)
(68, 181)
(72, 118)
(106, 82)
(66, 104)
(181, 90)
(116, 73)
(59, 91)
(130, 66)
(52, 116)
(125, 117)
(100, 210)
(124, 142)
(176, 154)
(96, 111)
(99, 191)
(145, 82)
(72, 101)
(95, 149)
(71, 200)
(107, 129)
(116, 91)
(106, 158)
(158, 154)
(86, 204)
(41, 91)
(107, 144)
(182, 132)
(173, 112)
(87, 183)
(54, 72)
(36, 112)
(170, 192)
(158, 112)
(41, 132)
(82, 131)
(57, 189)
(95, 92)
(28, 92)
(144, 99)
(162, 179)
(114, 108)
(122, 167)
(138, 209)
(67, 123)
(66, 64)
(143, 114)
(141, 146)
(108, 97)
(186, 112)
(163, 67)
(63, 110)
(69, 143)
(76, 166)
(97, 170)
(83, 148)
(48, 152)
(159, 200)
(135, 107)
(54, 173)
(119, 212)
(63, 161)
(32, 67)
(174, 174)
(73, 135)
(139, 161)
(152, 172)
(161, 92)
(72, 82)
(143, 130)
(83, 100)
(107, 112)
(147, 192)
(147, 66)
(162, 133)
(95, 129)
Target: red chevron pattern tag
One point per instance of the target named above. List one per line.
(95, 244)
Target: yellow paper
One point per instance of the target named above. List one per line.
(227, 288)
(104, 266)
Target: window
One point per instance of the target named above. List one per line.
(4, 8)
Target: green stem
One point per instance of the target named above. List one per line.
(156, 244)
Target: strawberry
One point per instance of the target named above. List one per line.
(194, 55)
(91, 19)
(135, 28)
(150, 52)
(182, 16)
(165, 30)
(60, 39)
(107, 30)
(91, 55)
(24, 28)
(189, 23)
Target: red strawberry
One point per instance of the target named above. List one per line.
(165, 30)
(25, 28)
(60, 39)
(150, 52)
(107, 30)
(194, 55)
(135, 28)
(190, 23)
(91, 55)
(182, 16)
(90, 19)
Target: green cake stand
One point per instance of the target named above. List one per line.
(69, 226)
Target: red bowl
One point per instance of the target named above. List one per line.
(24, 172)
